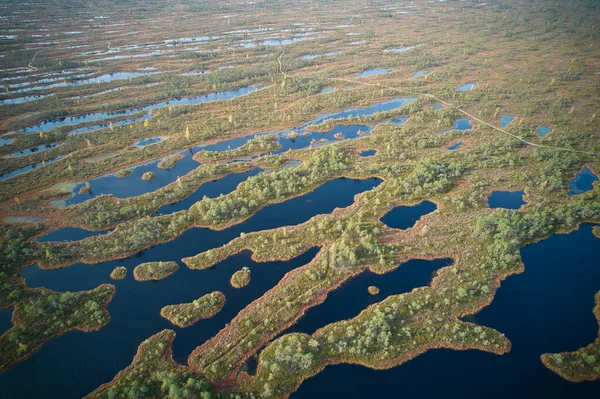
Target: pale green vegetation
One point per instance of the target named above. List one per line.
(536, 60)
(148, 176)
(154, 270)
(186, 314)
(241, 278)
(170, 161)
(118, 273)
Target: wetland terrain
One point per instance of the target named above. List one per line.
(278, 199)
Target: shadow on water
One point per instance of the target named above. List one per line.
(548, 308)
(368, 153)
(405, 217)
(74, 364)
(506, 199)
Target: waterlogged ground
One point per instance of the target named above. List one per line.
(553, 294)
(384, 225)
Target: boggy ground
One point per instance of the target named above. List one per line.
(537, 60)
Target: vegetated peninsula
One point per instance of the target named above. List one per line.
(299, 141)
(186, 314)
(581, 365)
(155, 271)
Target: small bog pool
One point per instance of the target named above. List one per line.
(462, 124)
(506, 199)
(543, 131)
(467, 86)
(505, 120)
(368, 153)
(405, 217)
(582, 182)
(455, 146)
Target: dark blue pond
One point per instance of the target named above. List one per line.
(76, 363)
(548, 308)
(582, 182)
(505, 120)
(368, 153)
(455, 146)
(506, 199)
(210, 189)
(543, 131)
(466, 87)
(353, 297)
(69, 234)
(405, 217)
(462, 124)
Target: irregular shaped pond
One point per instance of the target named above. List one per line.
(436, 106)
(505, 120)
(467, 86)
(420, 74)
(368, 153)
(135, 308)
(548, 308)
(462, 124)
(352, 297)
(5, 320)
(373, 72)
(455, 146)
(543, 131)
(327, 90)
(133, 184)
(405, 217)
(506, 199)
(582, 182)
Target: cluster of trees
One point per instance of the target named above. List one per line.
(186, 314)
(43, 314)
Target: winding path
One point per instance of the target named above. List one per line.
(448, 105)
